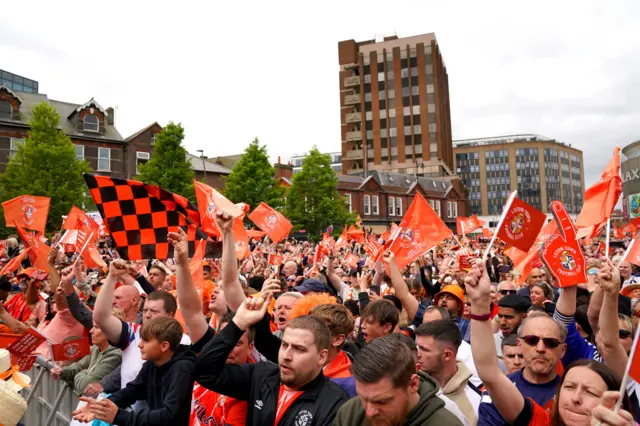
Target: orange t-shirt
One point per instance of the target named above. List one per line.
(211, 408)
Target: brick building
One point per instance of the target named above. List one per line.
(394, 107)
(382, 198)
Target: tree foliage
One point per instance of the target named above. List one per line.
(46, 164)
(313, 202)
(252, 179)
(168, 166)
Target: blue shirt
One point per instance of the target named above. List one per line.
(543, 395)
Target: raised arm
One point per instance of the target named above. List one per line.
(78, 310)
(615, 357)
(16, 326)
(595, 305)
(230, 282)
(110, 325)
(402, 291)
(505, 396)
(334, 279)
(189, 300)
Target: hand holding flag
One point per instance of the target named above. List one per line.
(562, 252)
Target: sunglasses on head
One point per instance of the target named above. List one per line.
(549, 342)
(624, 334)
(505, 292)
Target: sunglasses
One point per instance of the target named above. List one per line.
(290, 280)
(549, 342)
(624, 334)
(505, 292)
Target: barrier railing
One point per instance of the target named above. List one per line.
(50, 402)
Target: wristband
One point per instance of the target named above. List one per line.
(484, 317)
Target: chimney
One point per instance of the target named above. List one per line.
(278, 159)
(111, 116)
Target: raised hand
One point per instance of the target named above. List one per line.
(477, 283)
(270, 286)
(224, 220)
(251, 311)
(609, 278)
(180, 244)
(562, 253)
(118, 268)
(604, 414)
(388, 257)
(53, 255)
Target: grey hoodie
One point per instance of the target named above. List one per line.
(430, 410)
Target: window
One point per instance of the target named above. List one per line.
(347, 201)
(376, 205)
(104, 159)
(367, 205)
(79, 152)
(13, 146)
(91, 123)
(398, 206)
(6, 110)
(452, 209)
(392, 206)
(435, 205)
(141, 158)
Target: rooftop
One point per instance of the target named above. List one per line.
(501, 140)
(211, 166)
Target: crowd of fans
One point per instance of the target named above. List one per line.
(323, 341)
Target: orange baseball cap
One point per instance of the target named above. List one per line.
(454, 290)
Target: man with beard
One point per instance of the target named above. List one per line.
(391, 391)
(512, 310)
(294, 392)
(451, 298)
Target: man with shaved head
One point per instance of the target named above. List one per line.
(127, 299)
(536, 275)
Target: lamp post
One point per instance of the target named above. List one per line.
(204, 165)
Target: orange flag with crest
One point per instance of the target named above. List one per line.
(272, 222)
(420, 230)
(600, 199)
(28, 211)
(209, 202)
(520, 225)
(466, 225)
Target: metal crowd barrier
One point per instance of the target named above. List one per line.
(50, 402)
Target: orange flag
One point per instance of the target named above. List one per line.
(525, 261)
(601, 198)
(92, 257)
(618, 233)
(272, 222)
(466, 225)
(520, 225)
(241, 238)
(254, 233)
(15, 263)
(420, 230)
(630, 229)
(342, 240)
(209, 201)
(39, 250)
(87, 232)
(351, 260)
(487, 233)
(28, 211)
(372, 248)
(355, 234)
(632, 255)
(195, 265)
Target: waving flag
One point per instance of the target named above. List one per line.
(420, 230)
(487, 233)
(342, 240)
(139, 217)
(372, 248)
(630, 229)
(466, 225)
(632, 255)
(209, 202)
(601, 198)
(618, 233)
(28, 211)
(39, 251)
(525, 261)
(355, 234)
(255, 234)
(15, 263)
(272, 222)
(520, 224)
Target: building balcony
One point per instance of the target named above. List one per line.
(352, 99)
(352, 81)
(354, 117)
(355, 154)
(355, 135)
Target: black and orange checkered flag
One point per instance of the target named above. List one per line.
(139, 217)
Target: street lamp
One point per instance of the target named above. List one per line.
(204, 165)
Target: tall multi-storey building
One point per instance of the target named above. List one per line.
(297, 160)
(19, 83)
(540, 168)
(394, 107)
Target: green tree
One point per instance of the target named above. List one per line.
(252, 179)
(313, 202)
(46, 164)
(168, 166)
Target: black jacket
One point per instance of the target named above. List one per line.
(259, 385)
(166, 389)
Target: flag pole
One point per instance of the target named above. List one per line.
(462, 224)
(626, 253)
(625, 378)
(606, 249)
(504, 213)
(83, 247)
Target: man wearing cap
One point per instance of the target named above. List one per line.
(451, 298)
(27, 302)
(310, 286)
(512, 309)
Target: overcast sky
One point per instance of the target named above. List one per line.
(231, 71)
